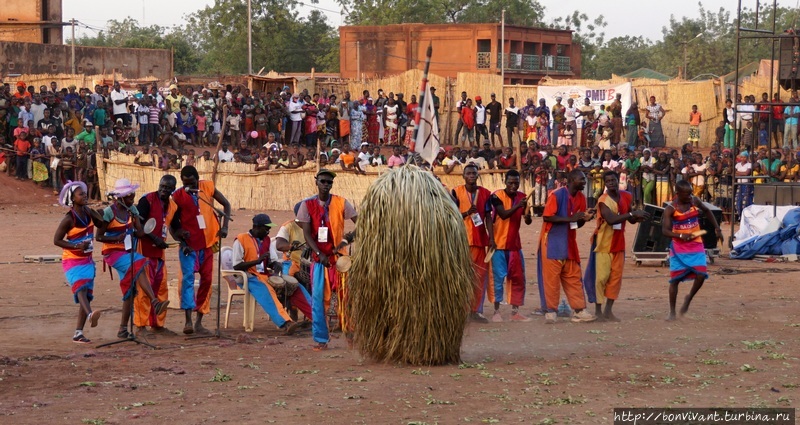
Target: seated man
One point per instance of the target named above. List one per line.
(251, 254)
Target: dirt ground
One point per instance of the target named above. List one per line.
(736, 348)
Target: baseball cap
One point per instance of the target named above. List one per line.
(263, 220)
(325, 171)
(477, 98)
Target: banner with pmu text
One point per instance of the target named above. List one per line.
(597, 95)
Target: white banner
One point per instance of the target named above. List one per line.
(427, 141)
(598, 95)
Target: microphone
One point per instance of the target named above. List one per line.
(217, 210)
(190, 190)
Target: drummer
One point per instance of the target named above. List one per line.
(251, 254)
(290, 241)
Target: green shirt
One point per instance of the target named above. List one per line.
(87, 137)
(99, 117)
(632, 165)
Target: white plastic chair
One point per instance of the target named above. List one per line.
(234, 290)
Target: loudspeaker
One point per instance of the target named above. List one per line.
(648, 235)
(763, 194)
(779, 194)
(789, 63)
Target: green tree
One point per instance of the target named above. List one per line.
(589, 34)
(281, 39)
(385, 12)
(129, 34)
(621, 55)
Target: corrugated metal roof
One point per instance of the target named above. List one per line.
(647, 73)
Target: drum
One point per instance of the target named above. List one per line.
(304, 274)
(343, 264)
(277, 282)
(291, 285)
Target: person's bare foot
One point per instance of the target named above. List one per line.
(685, 306)
(611, 318)
(601, 318)
(671, 317)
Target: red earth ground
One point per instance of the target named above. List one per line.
(737, 347)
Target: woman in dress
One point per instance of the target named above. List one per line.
(687, 255)
(373, 126)
(411, 113)
(357, 119)
(74, 235)
(390, 122)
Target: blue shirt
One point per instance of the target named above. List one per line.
(791, 110)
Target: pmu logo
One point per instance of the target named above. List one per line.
(601, 95)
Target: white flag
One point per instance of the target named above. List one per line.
(427, 141)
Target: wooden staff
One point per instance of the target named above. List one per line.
(219, 143)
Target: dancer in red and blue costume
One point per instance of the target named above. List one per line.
(687, 254)
(74, 235)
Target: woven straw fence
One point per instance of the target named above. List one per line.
(759, 84)
(65, 80)
(265, 190)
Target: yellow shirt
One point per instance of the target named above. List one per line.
(790, 172)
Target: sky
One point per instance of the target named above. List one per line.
(624, 17)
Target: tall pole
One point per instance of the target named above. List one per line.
(249, 38)
(358, 60)
(685, 61)
(72, 60)
(502, 51)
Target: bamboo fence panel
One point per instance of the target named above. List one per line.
(65, 80)
(267, 190)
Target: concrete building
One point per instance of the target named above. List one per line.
(34, 58)
(530, 53)
(31, 21)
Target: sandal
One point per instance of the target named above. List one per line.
(160, 306)
(123, 334)
(188, 329)
(94, 317)
(320, 347)
(81, 339)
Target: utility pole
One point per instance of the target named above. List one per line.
(502, 51)
(72, 21)
(685, 60)
(249, 38)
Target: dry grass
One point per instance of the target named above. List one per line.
(411, 280)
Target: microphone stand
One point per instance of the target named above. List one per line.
(131, 336)
(218, 214)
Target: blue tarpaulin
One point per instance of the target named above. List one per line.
(785, 241)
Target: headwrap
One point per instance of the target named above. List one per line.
(65, 197)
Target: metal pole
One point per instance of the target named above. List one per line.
(249, 38)
(72, 21)
(502, 51)
(685, 72)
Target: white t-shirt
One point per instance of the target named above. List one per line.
(225, 156)
(478, 161)
(571, 113)
(743, 168)
(47, 141)
(650, 163)
(480, 114)
(364, 159)
(122, 108)
(295, 106)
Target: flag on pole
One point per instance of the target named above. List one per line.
(427, 140)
